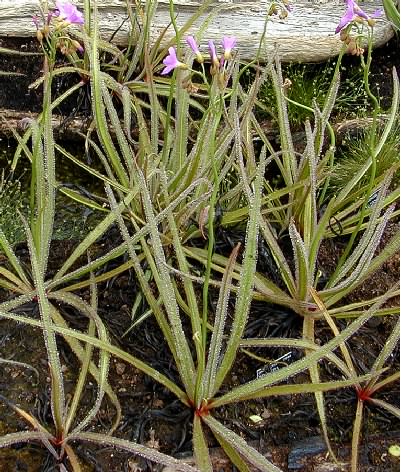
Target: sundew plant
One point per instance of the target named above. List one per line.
(192, 153)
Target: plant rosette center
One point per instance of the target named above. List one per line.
(364, 394)
(203, 409)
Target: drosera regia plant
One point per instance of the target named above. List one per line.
(52, 29)
(367, 391)
(157, 265)
(308, 217)
(157, 183)
(30, 286)
(202, 373)
(308, 213)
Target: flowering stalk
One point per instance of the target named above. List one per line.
(373, 129)
(52, 35)
(218, 108)
(213, 58)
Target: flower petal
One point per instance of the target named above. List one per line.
(192, 44)
(348, 16)
(377, 13)
(229, 42)
(69, 12)
(171, 61)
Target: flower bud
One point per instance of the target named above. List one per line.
(287, 84)
(344, 36)
(214, 59)
(77, 45)
(222, 80)
(273, 10)
(283, 14)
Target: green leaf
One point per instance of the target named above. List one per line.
(201, 449)
(10, 439)
(386, 351)
(315, 387)
(99, 111)
(386, 406)
(79, 351)
(232, 453)
(248, 269)
(143, 451)
(392, 13)
(303, 276)
(216, 341)
(104, 356)
(238, 444)
(115, 351)
(244, 391)
(57, 384)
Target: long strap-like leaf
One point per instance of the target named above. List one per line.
(248, 268)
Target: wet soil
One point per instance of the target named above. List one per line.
(152, 415)
(17, 92)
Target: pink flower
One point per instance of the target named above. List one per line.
(35, 20)
(228, 43)
(171, 62)
(192, 44)
(355, 12)
(69, 12)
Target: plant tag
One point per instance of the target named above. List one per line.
(275, 365)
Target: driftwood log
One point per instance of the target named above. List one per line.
(306, 35)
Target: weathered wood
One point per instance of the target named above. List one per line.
(306, 35)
